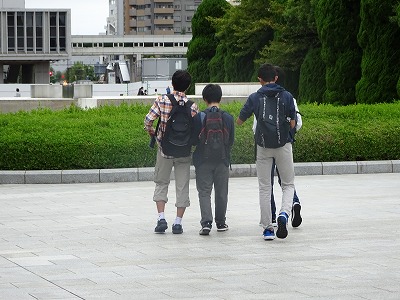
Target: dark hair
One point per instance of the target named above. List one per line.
(281, 75)
(181, 80)
(267, 72)
(212, 93)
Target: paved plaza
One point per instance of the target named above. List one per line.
(96, 241)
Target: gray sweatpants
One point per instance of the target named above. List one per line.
(284, 162)
(207, 175)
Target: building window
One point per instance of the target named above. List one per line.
(29, 31)
(39, 31)
(11, 31)
(189, 18)
(62, 31)
(177, 7)
(177, 18)
(190, 7)
(20, 31)
(53, 31)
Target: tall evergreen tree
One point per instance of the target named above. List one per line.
(380, 40)
(312, 78)
(338, 23)
(201, 48)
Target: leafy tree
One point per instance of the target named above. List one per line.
(397, 17)
(201, 48)
(295, 34)
(79, 71)
(337, 24)
(243, 31)
(380, 40)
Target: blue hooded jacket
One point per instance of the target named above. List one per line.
(252, 105)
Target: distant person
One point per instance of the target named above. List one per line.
(167, 109)
(155, 91)
(140, 91)
(168, 90)
(145, 92)
(17, 93)
(214, 133)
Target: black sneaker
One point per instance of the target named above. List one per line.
(296, 217)
(161, 226)
(282, 230)
(222, 227)
(205, 229)
(177, 229)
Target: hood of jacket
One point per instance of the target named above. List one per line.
(270, 89)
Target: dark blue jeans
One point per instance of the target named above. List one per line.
(273, 206)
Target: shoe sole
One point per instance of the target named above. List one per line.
(282, 230)
(205, 231)
(296, 220)
(269, 238)
(222, 229)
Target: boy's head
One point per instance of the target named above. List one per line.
(267, 73)
(281, 75)
(212, 93)
(181, 80)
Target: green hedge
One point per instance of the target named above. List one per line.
(113, 137)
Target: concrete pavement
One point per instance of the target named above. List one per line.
(96, 241)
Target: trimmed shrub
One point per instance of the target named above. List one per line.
(113, 137)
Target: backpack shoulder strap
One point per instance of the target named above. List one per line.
(171, 97)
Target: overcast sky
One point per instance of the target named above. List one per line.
(87, 16)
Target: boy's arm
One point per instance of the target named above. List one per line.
(246, 112)
(151, 116)
(299, 121)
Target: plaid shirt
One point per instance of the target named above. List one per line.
(161, 108)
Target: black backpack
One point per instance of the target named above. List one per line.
(176, 140)
(273, 127)
(214, 136)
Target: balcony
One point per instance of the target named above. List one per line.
(164, 1)
(132, 23)
(163, 21)
(164, 10)
(139, 2)
(164, 31)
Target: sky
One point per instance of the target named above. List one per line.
(87, 16)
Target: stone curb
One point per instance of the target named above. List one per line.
(146, 174)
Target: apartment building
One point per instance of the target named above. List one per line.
(159, 17)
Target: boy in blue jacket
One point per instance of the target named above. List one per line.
(283, 156)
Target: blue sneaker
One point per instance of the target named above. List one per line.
(282, 222)
(269, 234)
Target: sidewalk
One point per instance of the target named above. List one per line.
(96, 241)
